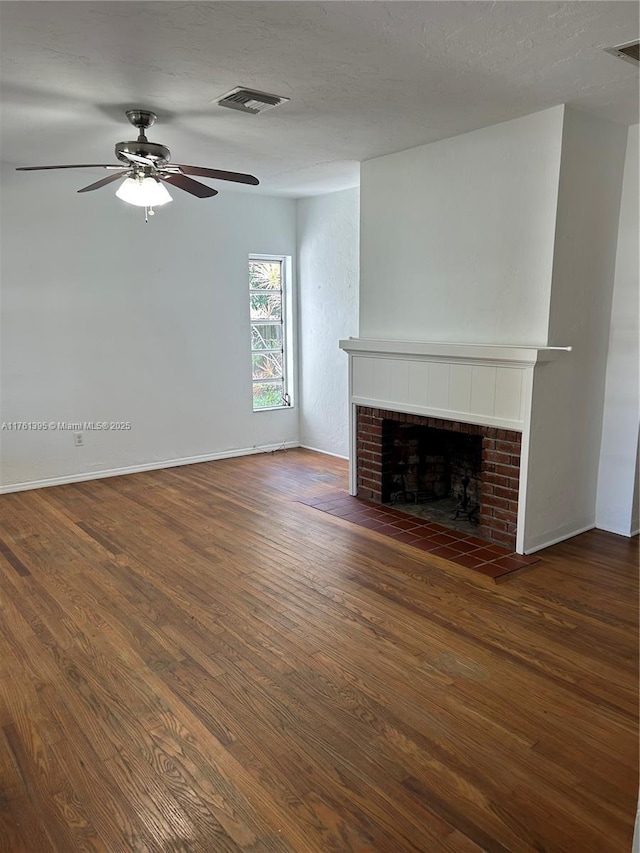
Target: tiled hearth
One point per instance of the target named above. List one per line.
(460, 548)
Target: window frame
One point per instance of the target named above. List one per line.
(287, 325)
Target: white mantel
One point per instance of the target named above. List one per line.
(484, 384)
(442, 350)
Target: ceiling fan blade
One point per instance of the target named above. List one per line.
(219, 174)
(75, 166)
(184, 183)
(109, 179)
(135, 158)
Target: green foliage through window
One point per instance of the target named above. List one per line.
(268, 338)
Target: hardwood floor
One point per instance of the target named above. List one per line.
(191, 660)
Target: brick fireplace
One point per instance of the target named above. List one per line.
(482, 390)
(498, 476)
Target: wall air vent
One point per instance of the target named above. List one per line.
(629, 52)
(250, 101)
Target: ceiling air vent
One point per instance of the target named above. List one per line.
(629, 52)
(250, 101)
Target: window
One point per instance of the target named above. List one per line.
(270, 333)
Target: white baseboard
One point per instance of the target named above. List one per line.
(149, 466)
(326, 452)
(619, 531)
(555, 536)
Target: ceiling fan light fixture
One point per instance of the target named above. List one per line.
(145, 192)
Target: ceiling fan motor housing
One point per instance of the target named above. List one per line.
(160, 154)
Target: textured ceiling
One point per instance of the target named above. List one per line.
(364, 78)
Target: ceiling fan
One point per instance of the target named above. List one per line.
(147, 168)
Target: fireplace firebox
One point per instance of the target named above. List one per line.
(404, 457)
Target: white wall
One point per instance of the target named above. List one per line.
(107, 318)
(618, 474)
(568, 395)
(328, 239)
(457, 236)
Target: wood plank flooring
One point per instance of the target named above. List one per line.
(192, 660)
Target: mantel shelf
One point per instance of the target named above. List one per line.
(496, 353)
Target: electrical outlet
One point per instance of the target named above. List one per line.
(78, 439)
